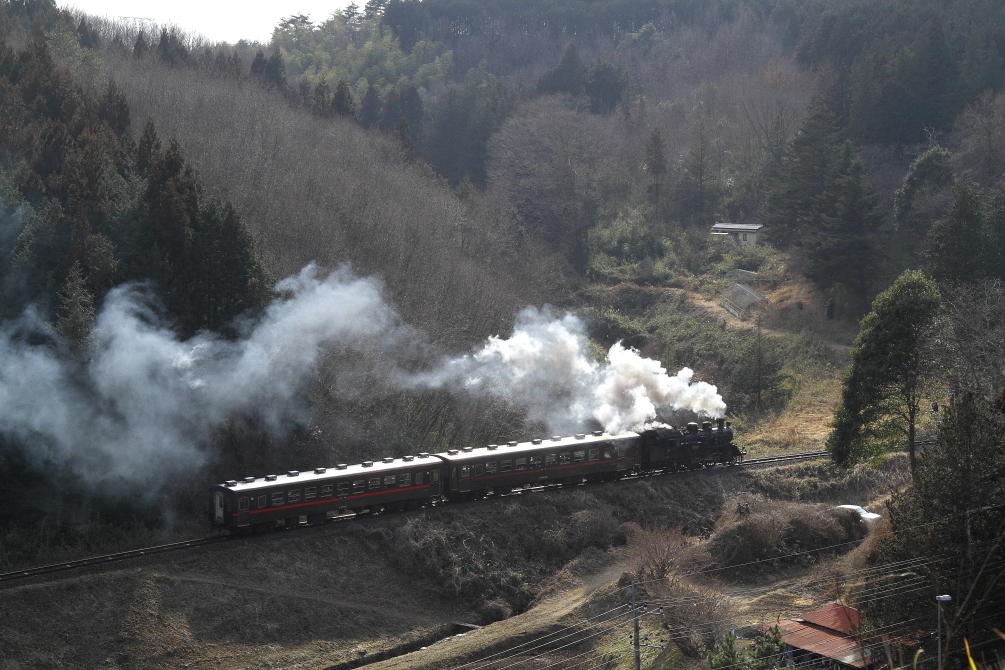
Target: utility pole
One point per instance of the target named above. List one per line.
(635, 637)
(938, 607)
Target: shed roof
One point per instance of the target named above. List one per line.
(736, 227)
(823, 641)
(836, 617)
(741, 296)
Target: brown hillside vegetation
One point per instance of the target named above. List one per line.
(320, 597)
(322, 190)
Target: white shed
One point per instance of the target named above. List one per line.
(744, 233)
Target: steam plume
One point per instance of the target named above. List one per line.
(146, 404)
(545, 366)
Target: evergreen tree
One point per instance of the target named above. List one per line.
(258, 66)
(321, 100)
(803, 176)
(369, 107)
(75, 311)
(656, 167)
(606, 85)
(882, 390)
(140, 47)
(403, 134)
(149, 148)
(114, 109)
(843, 248)
(275, 71)
(373, 9)
(342, 103)
(968, 243)
(568, 77)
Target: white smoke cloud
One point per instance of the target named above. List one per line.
(545, 366)
(146, 405)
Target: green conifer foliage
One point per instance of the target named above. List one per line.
(343, 104)
(75, 311)
(568, 77)
(882, 390)
(369, 107)
(843, 249)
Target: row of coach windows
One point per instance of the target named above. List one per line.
(535, 462)
(342, 489)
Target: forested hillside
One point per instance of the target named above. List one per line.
(287, 236)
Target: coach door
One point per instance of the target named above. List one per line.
(243, 513)
(465, 478)
(218, 507)
(622, 457)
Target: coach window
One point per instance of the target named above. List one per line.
(405, 479)
(465, 471)
(506, 466)
(434, 476)
(535, 462)
(342, 488)
(261, 502)
(578, 456)
(418, 478)
(490, 468)
(479, 469)
(242, 505)
(310, 493)
(594, 454)
(359, 486)
(550, 459)
(390, 481)
(277, 499)
(564, 458)
(294, 496)
(521, 464)
(374, 483)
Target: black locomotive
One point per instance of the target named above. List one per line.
(263, 503)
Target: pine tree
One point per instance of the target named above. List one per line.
(342, 103)
(75, 311)
(321, 100)
(140, 47)
(882, 390)
(369, 107)
(656, 167)
(568, 77)
(258, 66)
(149, 148)
(843, 248)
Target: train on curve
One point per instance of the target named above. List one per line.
(410, 482)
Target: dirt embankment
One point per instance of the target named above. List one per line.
(346, 594)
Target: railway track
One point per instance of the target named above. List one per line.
(218, 539)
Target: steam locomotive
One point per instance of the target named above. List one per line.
(264, 503)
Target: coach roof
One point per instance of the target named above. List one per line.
(534, 446)
(367, 468)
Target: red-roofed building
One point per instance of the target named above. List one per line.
(825, 638)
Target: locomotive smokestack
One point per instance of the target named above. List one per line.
(720, 423)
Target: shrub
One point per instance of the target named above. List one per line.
(781, 533)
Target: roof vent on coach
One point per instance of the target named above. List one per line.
(492, 447)
(230, 482)
(452, 452)
(367, 464)
(293, 473)
(342, 466)
(320, 471)
(248, 480)
(556, 438)
(423, 454)
(270, 478)
(467, 450)
(598, 433)
(580, 436)
(408, 458)
(512, 443)
(387, 459)
(536, 440)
